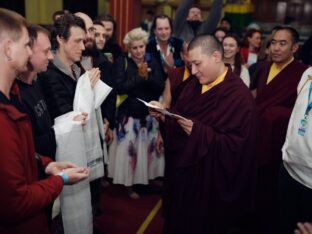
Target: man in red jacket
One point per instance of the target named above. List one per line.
(23, 198)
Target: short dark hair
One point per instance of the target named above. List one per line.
(59, 13)
(293, 32)
(63, 25)
(34, 30)
(161, 16)
(11, 23)
(226, 19)
(98, 22)
(219, 29)
(207, 43)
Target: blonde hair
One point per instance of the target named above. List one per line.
(135, 34)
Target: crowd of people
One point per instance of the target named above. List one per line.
(234, 157)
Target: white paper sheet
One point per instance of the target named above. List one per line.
(161, 110)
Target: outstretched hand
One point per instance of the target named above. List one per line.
(54, 168)
(75, 175)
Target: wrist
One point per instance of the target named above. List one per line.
(64, 177)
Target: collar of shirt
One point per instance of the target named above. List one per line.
(220, 78)
(186, 74)
(275, 70)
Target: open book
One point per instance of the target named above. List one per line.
(161, 110)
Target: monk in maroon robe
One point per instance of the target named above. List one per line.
(211, 168)
(276, 96)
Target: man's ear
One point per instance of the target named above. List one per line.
(7, 49)
(295, 47)
(217, 56)
(60, 40)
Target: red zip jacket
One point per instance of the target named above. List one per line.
(23, 198)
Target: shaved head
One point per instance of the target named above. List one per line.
(207, 43)
(87, 20)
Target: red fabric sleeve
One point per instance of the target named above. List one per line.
(22, 196)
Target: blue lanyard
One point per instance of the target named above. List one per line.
(309, 107)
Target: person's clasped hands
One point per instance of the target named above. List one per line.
(68, 170)
(143, 70)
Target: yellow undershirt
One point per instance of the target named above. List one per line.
(186, 74)
(274, 70)
(217, 81)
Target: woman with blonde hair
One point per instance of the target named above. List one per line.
(133, 156)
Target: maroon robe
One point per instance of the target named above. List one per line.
(210, 175)
(275, 102)
(177, 83)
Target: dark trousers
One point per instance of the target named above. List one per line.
(267, 199)
(95, 188)
(295, 202)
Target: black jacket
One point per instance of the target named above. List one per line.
(58, 88)
(108, 107)
(128, 81)
(36, 108)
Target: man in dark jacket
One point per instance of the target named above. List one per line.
(32, 97)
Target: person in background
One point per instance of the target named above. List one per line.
(163, 46)
(132, 154)
(146, 24)
(250, 47)
(25, 197)
(263, 56)
(166, 49)
(275, 97)
(189, 22)
(112, 50)
(94, 58)
(226, 24)
(219, 33)
(99, 35)
(232, 57)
